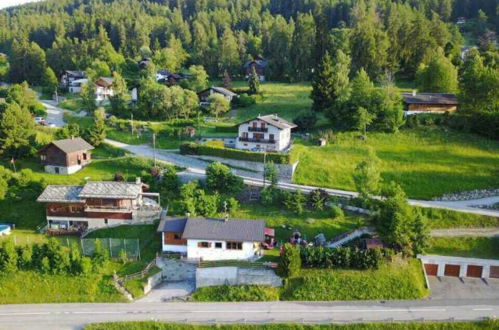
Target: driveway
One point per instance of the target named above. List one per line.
(447, 287)
(55, 115)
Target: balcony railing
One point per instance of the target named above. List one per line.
(103, 208)
(258, 129)
(242, 139)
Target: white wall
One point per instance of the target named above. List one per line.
(92, 222)
(282, 137)
(63, 169)
(212, 253)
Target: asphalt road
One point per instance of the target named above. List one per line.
(75, 316)
(55, 115)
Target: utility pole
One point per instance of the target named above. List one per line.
(154, 147)
(131, 122)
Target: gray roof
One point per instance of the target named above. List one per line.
(72, 145)
(430, 98)
(172, 225)
(61, 194)
(111, 189)
(274, 120)
(240, 230)
(220, 90)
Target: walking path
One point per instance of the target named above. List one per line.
(458, 232)
(75, 316)
(55, 115)
(198, 167)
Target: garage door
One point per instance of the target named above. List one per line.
(474, 271)
(431, 269)
(494, 271)
(452, 270)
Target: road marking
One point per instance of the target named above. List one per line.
(27, 313)
(482, 309)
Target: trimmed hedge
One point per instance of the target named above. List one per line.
(226, 129)
(191, 148)
(343, 257)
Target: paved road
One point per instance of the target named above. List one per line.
(198, 167)
(74, 316)
(55, 115)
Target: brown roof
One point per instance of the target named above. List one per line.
(71, 145)
(430, 98)
(104, 81)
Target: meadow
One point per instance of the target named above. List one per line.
(425, 162)
(476, 247)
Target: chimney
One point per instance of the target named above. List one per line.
(413, 92)
(138, 180)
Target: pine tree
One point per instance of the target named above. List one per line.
(97, 132)
(254, 82)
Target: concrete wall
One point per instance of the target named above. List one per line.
(63, 169)
(153, 281)
(463, 263)
(214, 276)
(174, 248)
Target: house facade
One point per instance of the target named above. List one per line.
(66, 156)
(258, 64)
(205, 94)
(415, 103)
(168, 78)
(270, 133)
(103, 89)
(212, 238)
(69, 76)
(76, 85)
(96, 204)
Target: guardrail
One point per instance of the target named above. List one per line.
(142, 273)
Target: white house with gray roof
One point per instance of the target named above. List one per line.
(212, 238)
(270, 132)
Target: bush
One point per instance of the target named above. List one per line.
(226, 129)
(337, 212)
(344, 257)
(306, 120)
(220, 178)
(290, 261)
(236, 293)
(244, 100)
(317, 199)
(191, 148)
(294, 202)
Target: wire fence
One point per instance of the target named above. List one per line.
(114, 245)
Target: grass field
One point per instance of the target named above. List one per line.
(477, 247)
(426, 162)
(152, 325)
(400, 279)
(32, 287)
(310, 223)
(236, 293)
(440, 218)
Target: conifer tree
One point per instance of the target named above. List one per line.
(254, 82)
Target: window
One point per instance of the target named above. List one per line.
(218, 245)
(234, 246)
(204, 245)
(263, 125)
(84, 156)
(271, 137)
(177, 236)
(56, 169)
(105, 221)
(245, 135)
(43, 157)
(255, 124)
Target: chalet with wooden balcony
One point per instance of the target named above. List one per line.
(66, 156)
(415, 103)
(97, 204)
(270, 133)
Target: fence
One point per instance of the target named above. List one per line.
(113, 245)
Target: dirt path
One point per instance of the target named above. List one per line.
(475, 232)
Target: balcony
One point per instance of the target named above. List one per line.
(264, 141)
(110, 208)
(258, 129)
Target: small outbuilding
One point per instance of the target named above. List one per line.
(66, 156)
(205, 94)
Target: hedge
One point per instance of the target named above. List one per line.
(226, 129)
(343, 257)
(191, 148)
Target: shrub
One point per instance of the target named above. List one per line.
(226, 129)
(294, 202)
(244, 100)
(343, 257)
(290, 261)
(236, 293)
(306, 120)
(191, 148)
(337, 212)
(317, 199)
(220, 178)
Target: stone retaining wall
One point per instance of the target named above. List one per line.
(214, 276)
(469, 195)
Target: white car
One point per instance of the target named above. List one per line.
(39, 120)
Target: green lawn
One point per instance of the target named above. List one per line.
(310, 223)
(440, 219)
(25, 287)
(153, 325)
(284, 99)
(426, 162)
(400, 279)
(149, 241)
(477, 247)
(136, 286)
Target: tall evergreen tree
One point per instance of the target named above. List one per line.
(437, 76)
(254, 82)
(302, 47)
(97, 132)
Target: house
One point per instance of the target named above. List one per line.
(212, 238)
(103, 89)
(69, 76)
(73, 209)
(205, 94)
(415, 103)
(168, 78)
(76, 85)
(259, 64)
(268, 132)
(66, 156)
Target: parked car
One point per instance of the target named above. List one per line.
(39, 120)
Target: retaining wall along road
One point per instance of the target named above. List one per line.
(213, 276)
